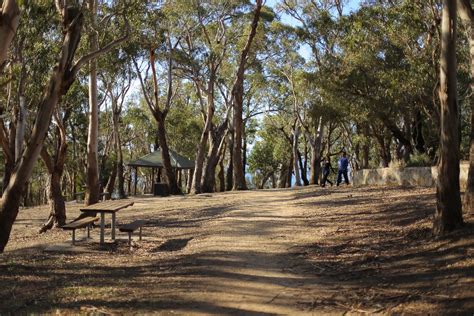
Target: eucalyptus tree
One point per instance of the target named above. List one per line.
(204, 49)
(76, 160)
(287, 68)
(269, 157)
(277, 128)
(385, 74)
(62, 76)
(211, 29)
(54, 155)
(29, 42)
(157, 45)
(448, 215)
(103, 18)
(317, 29)
(117, 83)
(237, 97)
(92, 187)
(261, 163)
(184, 122)
(139, 131)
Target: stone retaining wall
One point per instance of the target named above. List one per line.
(412, 176)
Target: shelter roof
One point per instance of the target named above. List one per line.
(155, 160)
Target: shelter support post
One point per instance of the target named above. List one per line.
(136, 181)
(178, 171)
(190, 179)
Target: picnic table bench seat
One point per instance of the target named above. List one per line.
(107, 207)
(80, 223)
(131, 227)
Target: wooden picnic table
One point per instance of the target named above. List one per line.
(110, 207)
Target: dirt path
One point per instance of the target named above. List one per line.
(293, 252)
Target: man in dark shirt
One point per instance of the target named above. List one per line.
(342, 165)
(326, 170)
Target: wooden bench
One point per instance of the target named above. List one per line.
(131, 227)
(81, 223)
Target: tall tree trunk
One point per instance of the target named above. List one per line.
(244, 149)
(209, 179)
(109, 187)
(366, 147)
(264, 180)
(8, 143)
(9, 20)
(221, 174)
(384, 149)
(118, 150)
(160, 113)
(190, 179)
(237, 97)
(200, 156)
(296, 169)
(448, 215)
(316, 150)
(21, 119)
(283, 178)
(315, 166)
(57, 206)
(289, 172)
(301, 163)
(55, 166)
(230, 166)
(60, 81)
(465, 9)
(418, 133)
(7, 173)
(93, 185)
(165, 154)
(217, 142)
(400, 136)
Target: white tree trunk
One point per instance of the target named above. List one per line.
(93, 131)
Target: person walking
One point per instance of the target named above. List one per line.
(342, 164)
(326, 171)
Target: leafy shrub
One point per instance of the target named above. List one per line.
(419, 160)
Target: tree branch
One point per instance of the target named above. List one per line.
(101, 51)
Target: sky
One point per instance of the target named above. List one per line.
(349, 6)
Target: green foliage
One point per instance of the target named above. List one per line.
(419, 160)
(261, 159)
(366, 78)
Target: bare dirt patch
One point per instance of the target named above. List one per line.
(304, 251)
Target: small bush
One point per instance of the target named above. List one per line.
(419, 160)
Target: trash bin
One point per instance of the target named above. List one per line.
(161, 189)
